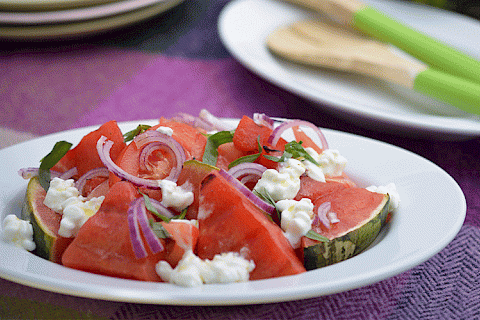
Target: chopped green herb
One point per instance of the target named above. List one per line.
(159, 230)
(152, 209)
(135, 132)
(213, 142)
(181, 215)
(293, 149)
(59, 150)
(265, 196)
(248, 158)
(315, 236)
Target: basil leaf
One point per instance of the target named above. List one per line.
(286, 155)
(298, 151)
(315, 236)
(247, 158)
(151, 208)
(265, 196)
(159, 230)
(58, 151)
(135, 132)
(182, 214)
(213, 142)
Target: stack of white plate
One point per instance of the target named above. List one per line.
(48, 19)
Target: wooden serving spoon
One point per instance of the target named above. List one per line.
(320, 44)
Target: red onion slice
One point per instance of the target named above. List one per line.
(152, 239)
(103, 149)
(97, 172)
(135, 238)
(322, 212)
(263, 119)
(153, 136)
(271, 210)
(278, 131)
(28, 173)
(247, 168)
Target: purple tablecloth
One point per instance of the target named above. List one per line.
(176, 63)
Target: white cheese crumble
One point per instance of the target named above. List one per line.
(76, 212)
(331, 163)
(192, 271)
(284, 183)
(391, 190)
(19, 232)
(165, 130)
(297, 218)
(174, 196)
(62, 197)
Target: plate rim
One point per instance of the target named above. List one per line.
(456, 128)
(76, 14)
(264, 291)
(87, 27)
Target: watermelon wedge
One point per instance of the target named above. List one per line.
(361, 216)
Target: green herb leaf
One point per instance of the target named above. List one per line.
(249, 158)
(151, 208)
(159, 230)
(265, 196)
(182, 214)
(135, 132)
(293, 149)
(298, 151)
(315, 236)
(213, 142)
(58, 151)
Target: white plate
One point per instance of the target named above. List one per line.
(245, 24)
(29, 5)
(85, 13)
(87, 27)
(431, 212)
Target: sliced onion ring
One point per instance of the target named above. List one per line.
(28, 173)
(322, 212)
(247, 168)
(97, 172)
(278, 131)
(263, 119)
(135, 237)
(103, 149)
(271, 210)
(152, 239)
(161, 139)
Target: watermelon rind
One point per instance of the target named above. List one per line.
(350, 244)
(48, 244)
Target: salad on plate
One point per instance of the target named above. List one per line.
(193, 200)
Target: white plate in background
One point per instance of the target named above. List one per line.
(245, 24)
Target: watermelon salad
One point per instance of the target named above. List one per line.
(192, 201)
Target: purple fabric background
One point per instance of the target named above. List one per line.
(175, 63)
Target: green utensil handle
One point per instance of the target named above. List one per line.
(457, 91)
(431, 51)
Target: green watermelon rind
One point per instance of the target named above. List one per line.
(352, 243)
(44, 239)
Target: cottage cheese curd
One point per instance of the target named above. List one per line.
(18, 232)
(192, 271)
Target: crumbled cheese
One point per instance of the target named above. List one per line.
(18, 232)
(62, 197)
(192, 271)
(391, 190)
(76, 211)
(165, 130)
(174, 196)
(331, 163)
(284, 183)
(297, 218)
(59, 191)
